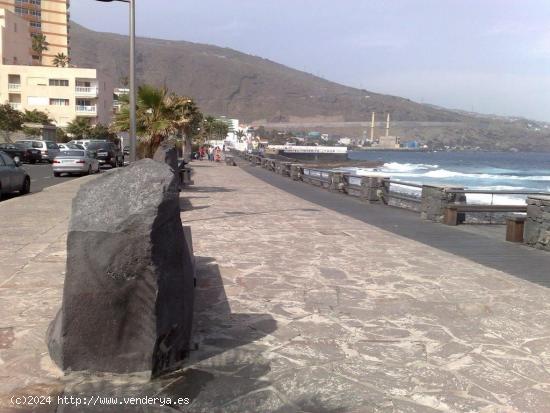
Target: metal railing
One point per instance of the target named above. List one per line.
(14, 86)
(86, 109)
(400, 196)
(86, 90)
(15, 106)
(495, 192)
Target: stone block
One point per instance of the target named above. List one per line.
(129, 289)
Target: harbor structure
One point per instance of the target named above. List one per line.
(314, 153)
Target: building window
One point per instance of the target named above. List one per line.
(59, 82)
(37, 101)
(36, 2)
(36, 25)
(59, 102)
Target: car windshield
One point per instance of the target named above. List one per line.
(74, 153)
(99, 145)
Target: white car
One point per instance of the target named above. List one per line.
(69, 146)
(75, 161)
(49, 149)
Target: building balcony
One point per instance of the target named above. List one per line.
(86, 110)
(86, 91)
(14, 86)
(15, 106)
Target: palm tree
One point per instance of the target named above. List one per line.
(159, 115)
(39, 45)
(240, 134)
(187, 121)
(61, 60)
(79, 128)
(153, 118)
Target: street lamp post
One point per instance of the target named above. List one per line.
(132, 4)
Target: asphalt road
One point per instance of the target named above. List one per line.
(42, 176)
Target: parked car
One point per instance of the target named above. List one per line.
(75, 161)
(21, 152)
(107, 153)
(49, 149)
(85, 142)
(69, 146)
(12, 177)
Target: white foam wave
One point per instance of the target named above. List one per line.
(407, 167)
(423, 171)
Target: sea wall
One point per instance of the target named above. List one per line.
(537, 224)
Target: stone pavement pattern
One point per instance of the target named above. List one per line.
(298, 309)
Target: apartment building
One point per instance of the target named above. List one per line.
(48, 17)
(15, 48)
(63, 92)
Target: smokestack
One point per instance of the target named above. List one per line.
(372, 127)
(388, 126)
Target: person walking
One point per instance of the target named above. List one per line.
(211, 154)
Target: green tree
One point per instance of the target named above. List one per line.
(11, 120)
(100, 131)
(36, 116)
(79, 128)
(39, 45)
(61, 60)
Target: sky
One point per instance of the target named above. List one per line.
(488, 56)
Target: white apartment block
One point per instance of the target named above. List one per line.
(63, 92)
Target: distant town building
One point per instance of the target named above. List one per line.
(118, 93)
(47, 17)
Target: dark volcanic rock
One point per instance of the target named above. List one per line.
(168, 154)
(128, 294)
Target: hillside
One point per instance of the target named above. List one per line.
(253, 89)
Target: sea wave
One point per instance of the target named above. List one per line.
(407, 167)
(420, 171)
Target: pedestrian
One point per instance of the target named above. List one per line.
(218, 154)
(211, 154)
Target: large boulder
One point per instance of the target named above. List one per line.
(128, 294)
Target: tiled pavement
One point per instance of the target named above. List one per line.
(298, 309)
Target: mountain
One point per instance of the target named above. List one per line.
(256, 90)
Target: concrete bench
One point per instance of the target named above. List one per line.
(452, 211)
(514, 227)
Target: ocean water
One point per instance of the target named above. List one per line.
(508, 171)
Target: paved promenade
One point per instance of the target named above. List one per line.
(299, 309)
